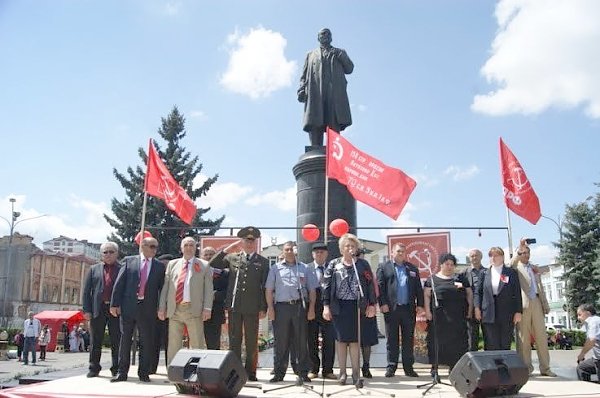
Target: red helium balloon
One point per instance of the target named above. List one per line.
(138, 237)
(339, 227)
(310, 232)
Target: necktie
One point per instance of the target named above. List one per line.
(181, 282)
(143, 279)
(248, 257)
(533, 288)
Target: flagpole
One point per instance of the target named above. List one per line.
(326, 212)
(510, 246)
(143, 215)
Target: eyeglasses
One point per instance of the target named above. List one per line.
(109, 252)
(249, 239)
(152, 246)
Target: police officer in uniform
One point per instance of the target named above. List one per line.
(245, 299)
(290, 295)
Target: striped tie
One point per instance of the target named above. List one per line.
(143, 279)
(181, 282)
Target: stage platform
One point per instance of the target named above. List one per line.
(81, 387)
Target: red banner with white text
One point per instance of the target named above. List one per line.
(370, 181)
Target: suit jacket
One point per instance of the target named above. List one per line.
(388, 285)
(93, 289)
(252, 277)
(126, 286)
(201, 286)
(526, 282)
(507, 302)
(220, 283)
(333, 277)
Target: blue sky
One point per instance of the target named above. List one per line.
(435, 84)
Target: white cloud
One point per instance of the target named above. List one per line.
(257, 63)
(424, 180)
(543, 254)
(283, 200)
(172, 7)
(544, 55)
(198, 114)
(82, 219)
(460, 174)
(405, 220)
(220, 195)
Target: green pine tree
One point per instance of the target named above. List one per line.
(162, 223)
(580, 253)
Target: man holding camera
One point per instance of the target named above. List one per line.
(535, 306)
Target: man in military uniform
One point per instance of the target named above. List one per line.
(245, 299)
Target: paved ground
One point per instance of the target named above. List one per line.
(75, 364)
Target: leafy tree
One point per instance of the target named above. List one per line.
(164, 225)
(580, 252)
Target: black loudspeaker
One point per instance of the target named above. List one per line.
(489, 373)
(211, 372)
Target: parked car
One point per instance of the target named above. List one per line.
(555, 326)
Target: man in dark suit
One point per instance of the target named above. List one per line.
(97, 291)
(401, 295)
(320, 325)
(473, 273)
(245, 299)
(497, 302)
(212, 326)
(135, 297)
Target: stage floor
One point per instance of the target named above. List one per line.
(82, 387)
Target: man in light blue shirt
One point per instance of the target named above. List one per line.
(289, 286)
(586, 313)
(31, 331)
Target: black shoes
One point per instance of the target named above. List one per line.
(366, 372)
(91, 373)
(276, 379)
(305, 378)
(389, 372)
(118, 377)
(411, 373)
(252, 378)
(144, 378)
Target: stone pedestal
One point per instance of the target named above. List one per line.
(310, 180)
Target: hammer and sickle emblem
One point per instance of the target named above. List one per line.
(338, 149)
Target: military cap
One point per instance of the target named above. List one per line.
(249, 233)
(319, 246)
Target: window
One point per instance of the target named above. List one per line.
(559, 290)
(548, 289)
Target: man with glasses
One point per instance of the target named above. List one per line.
(535, 306)
(245, 298)
(135, 297)
(97, 291)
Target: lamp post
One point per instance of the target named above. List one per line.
(14, 215)
(559, 226)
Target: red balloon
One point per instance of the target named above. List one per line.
(310, 232)
(339, 227)
(138, 237)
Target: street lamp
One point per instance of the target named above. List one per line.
(14, 215)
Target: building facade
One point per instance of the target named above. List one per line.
(64, 244)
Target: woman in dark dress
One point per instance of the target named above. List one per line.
(368, 330)
(454, 304)
(341, 299)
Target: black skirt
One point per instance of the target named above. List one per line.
(345, 323)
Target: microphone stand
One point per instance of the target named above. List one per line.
(435, 373)
(360, 384)
(299, 382)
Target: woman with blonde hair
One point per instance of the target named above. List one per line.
(348, 289)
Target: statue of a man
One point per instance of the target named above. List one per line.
(323, 89)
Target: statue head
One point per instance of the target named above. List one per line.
(324, 37)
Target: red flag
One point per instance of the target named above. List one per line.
(519, 195)
(368, 180)
(159, 183)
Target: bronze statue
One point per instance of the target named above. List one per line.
(323, 89)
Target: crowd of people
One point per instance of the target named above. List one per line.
(318, 310)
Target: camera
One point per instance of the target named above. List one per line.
(530, 241)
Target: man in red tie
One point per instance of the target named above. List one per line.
(143, 275)
(186, 298)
